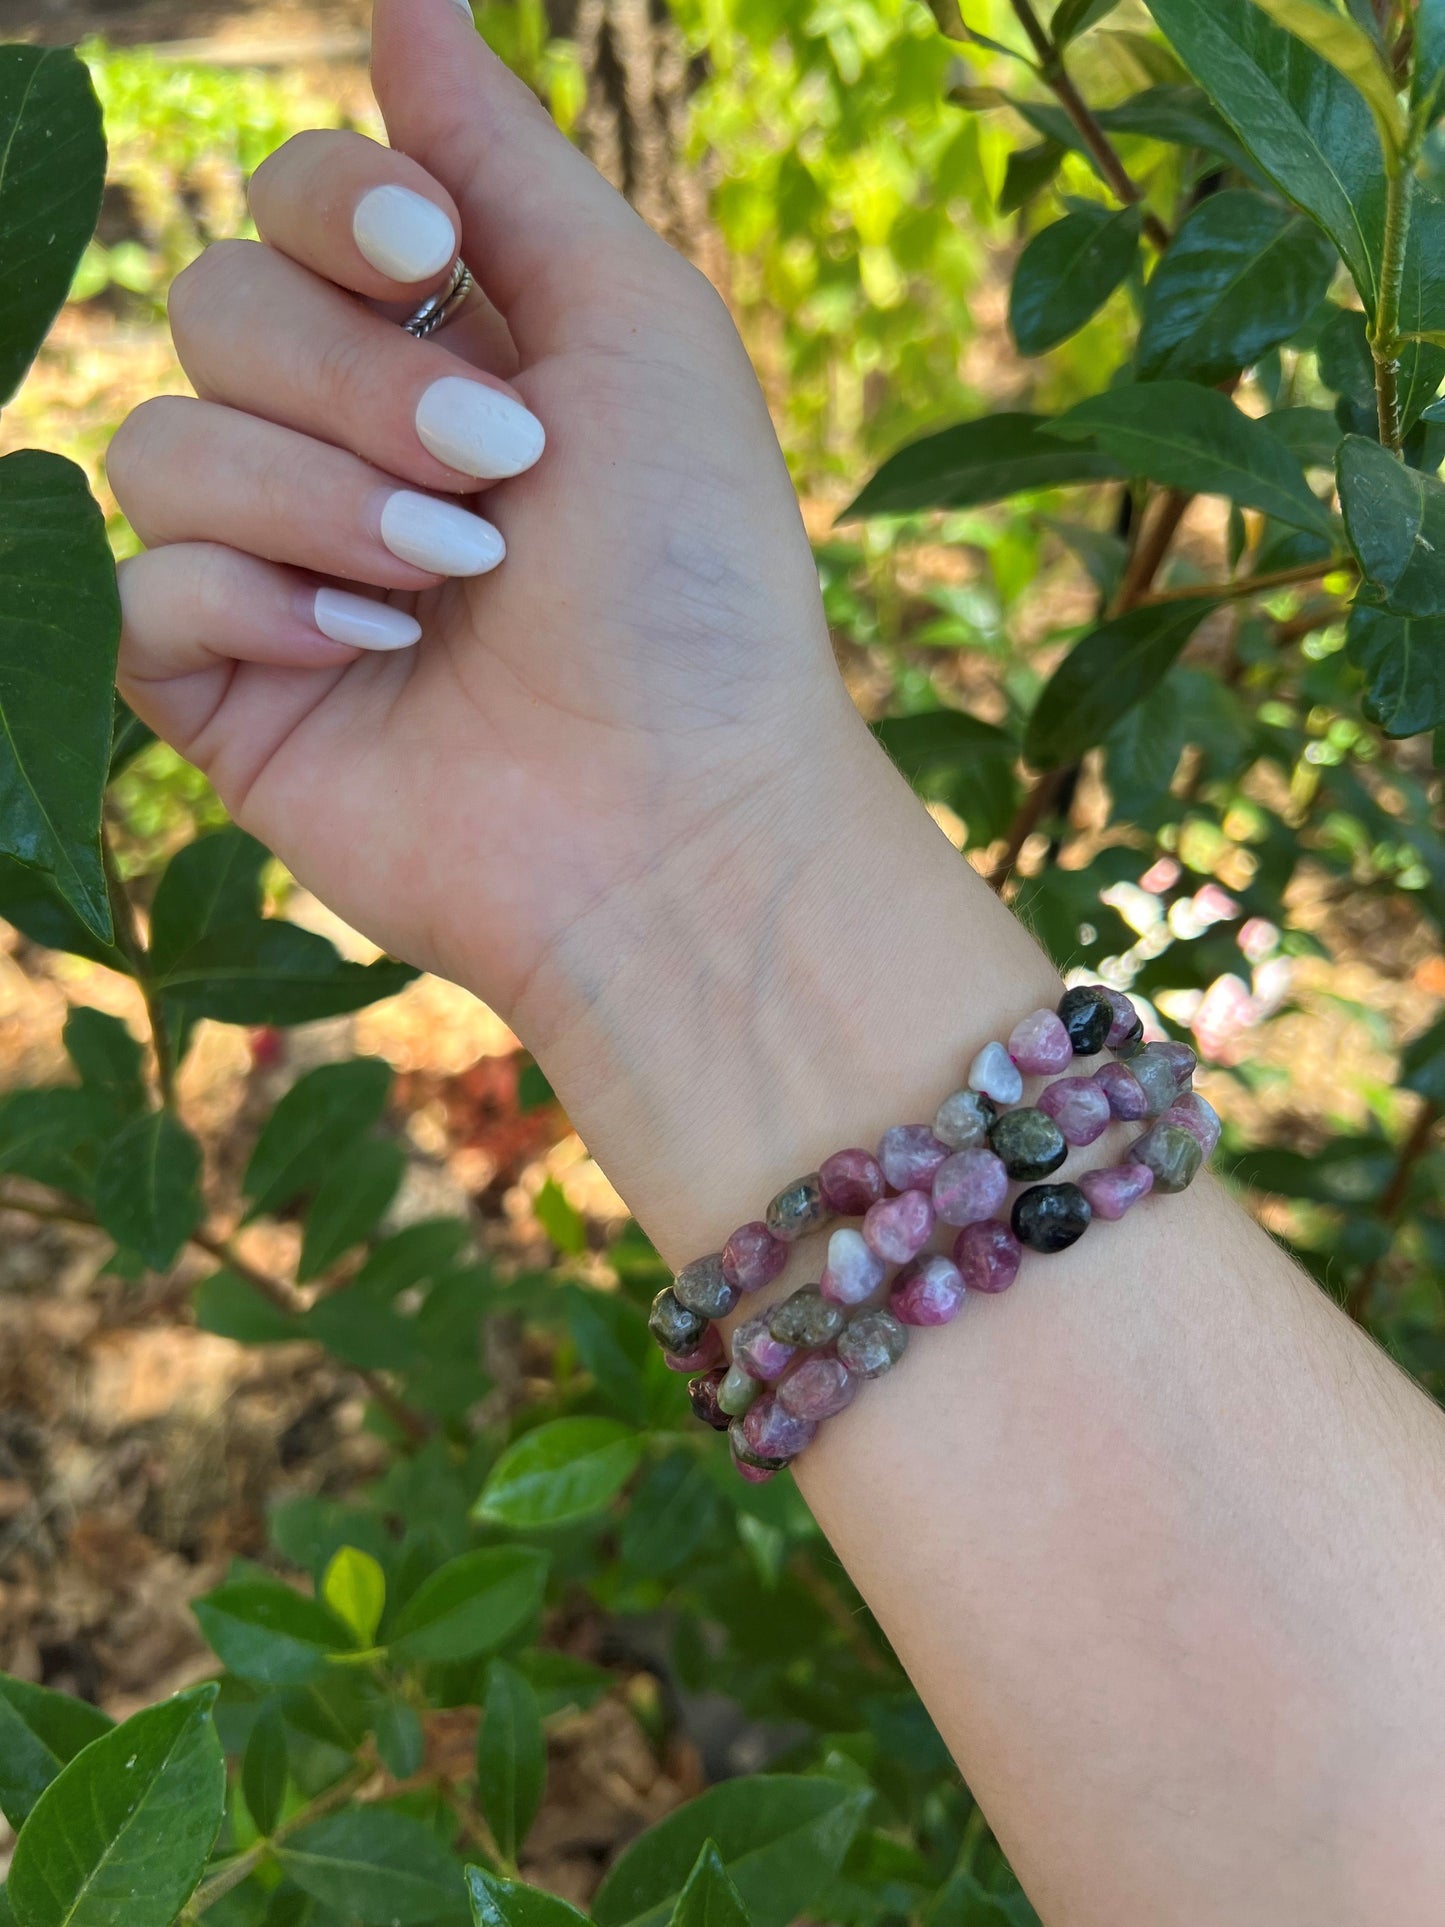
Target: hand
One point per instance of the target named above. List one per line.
(551, 729)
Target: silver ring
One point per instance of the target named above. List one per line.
(439, 308)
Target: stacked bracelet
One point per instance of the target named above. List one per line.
(808, 1356)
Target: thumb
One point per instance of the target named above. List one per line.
(543, 233)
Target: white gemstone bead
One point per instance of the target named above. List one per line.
(994, 1073)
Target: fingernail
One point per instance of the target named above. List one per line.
(477, 429)
(364, 624)
(438, 536)
(465, 6)
(403, 234)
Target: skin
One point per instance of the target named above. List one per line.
(1158, 1532)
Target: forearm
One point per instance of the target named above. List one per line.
(1146, 1530)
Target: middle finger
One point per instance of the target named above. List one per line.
(258, 332)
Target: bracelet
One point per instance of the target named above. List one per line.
(808, 1357)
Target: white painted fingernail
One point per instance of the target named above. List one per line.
(438, 536)
(477, 429)
(465, 6)
(364, 624)
(403, 234)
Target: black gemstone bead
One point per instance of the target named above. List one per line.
(1029, 1142)
(674, 1327)
(1051, 1217)
(1088, 1017)
(702, 1395)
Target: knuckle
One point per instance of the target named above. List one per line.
(340, 368)
(291, 157)
(135, 444)
(198, 290)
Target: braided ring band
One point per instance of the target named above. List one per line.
(439, 308)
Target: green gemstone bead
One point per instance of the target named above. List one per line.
(702, 1288)
(1173, 1154)
(798, 1209)
(737, 1391)
(1029, 1142)
(745, 1454)
(806, 1319)
(675, 1328)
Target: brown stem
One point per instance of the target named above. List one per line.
(1037, 802)
(1106, 158)
(1392, 1199)
(1150, 550)
(1249, 585)
(131, 944)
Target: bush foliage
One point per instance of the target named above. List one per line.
(1234, 269)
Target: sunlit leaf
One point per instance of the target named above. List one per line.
(1067, 272)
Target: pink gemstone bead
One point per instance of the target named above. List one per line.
(1040, 1045)
(1125, 1017)
(851, 1180)
(1198, 1116)
(754, 1474)
(1112, 1190)
(753, 1257)
(702, 1359)
(1123, 1091)
(854, 1271)
(759, 1353)
(817, 1387)
(773, 1432)
(1077, 1106)
(1181, 1059)
(910, 1154)
(969, 1185)
(929, 1291)
(898, 1228)
(988, 1256)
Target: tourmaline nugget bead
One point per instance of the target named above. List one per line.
(1113, 1189)
(963, 1120)
(1171, 1152)
(994, 1073)
(1087, 1016)
(1039, 1044)
(702, 1287)
(1124, 1092)
(873, 1342)
(739, 1388)
(753, 1466)
(758, 1352)
(1029, 1142)
(969, 1185)
(1182, 1060)
(1078, 1107)
(772, 1432)
(806, 1319)
(753, 1257)
(851, 1181)
(898, 1228)
(705, 1396)
(675, 1328)
(704, 1355)
(910, 1154)
(1126, 1033)
(1051, 1217)
(798, 1209)
(988, 1256)
(1198, 1115)
(929, 1291)
(854, 1271)
(816, 1387)
(1157, 1075)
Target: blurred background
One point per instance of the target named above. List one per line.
(806, 154)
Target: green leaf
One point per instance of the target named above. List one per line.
(374, 1865)
(1427, 63)
(363, 1329)
(1422, 1064)
(354, 1587)
(560, 1219)
(350, 1202)
(315, 1124)
(473, 1605)
(1073, 17)
(562, 1682)
(1402, 659)
(33, 903)
(400, 1738)
(1349, 50)
(1104, 675)
(960, 760)
(511, 1758)
(1194, 438)
(981, 461)
(273, 972)
(120, 1838)
(40, 1732)
(1178, 116)
(231, 1308)
(419, 1254)
(1346, 1171)
(108, 1057)
(264, 1770)
(1142, 751)
(709, 1898)
(1067, 272)
(673, 1510)
(561, 1471)
(1027, 173)
(263, 1631)
(1395, 519)
(59, 627)
(780, 1838)
(52, 171)
(50, 1135)
(147, 1187)
(1241, 275)
(1311, 435)
(211, 884)
(498, 1902)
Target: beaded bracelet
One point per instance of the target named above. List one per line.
(806, 1359)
